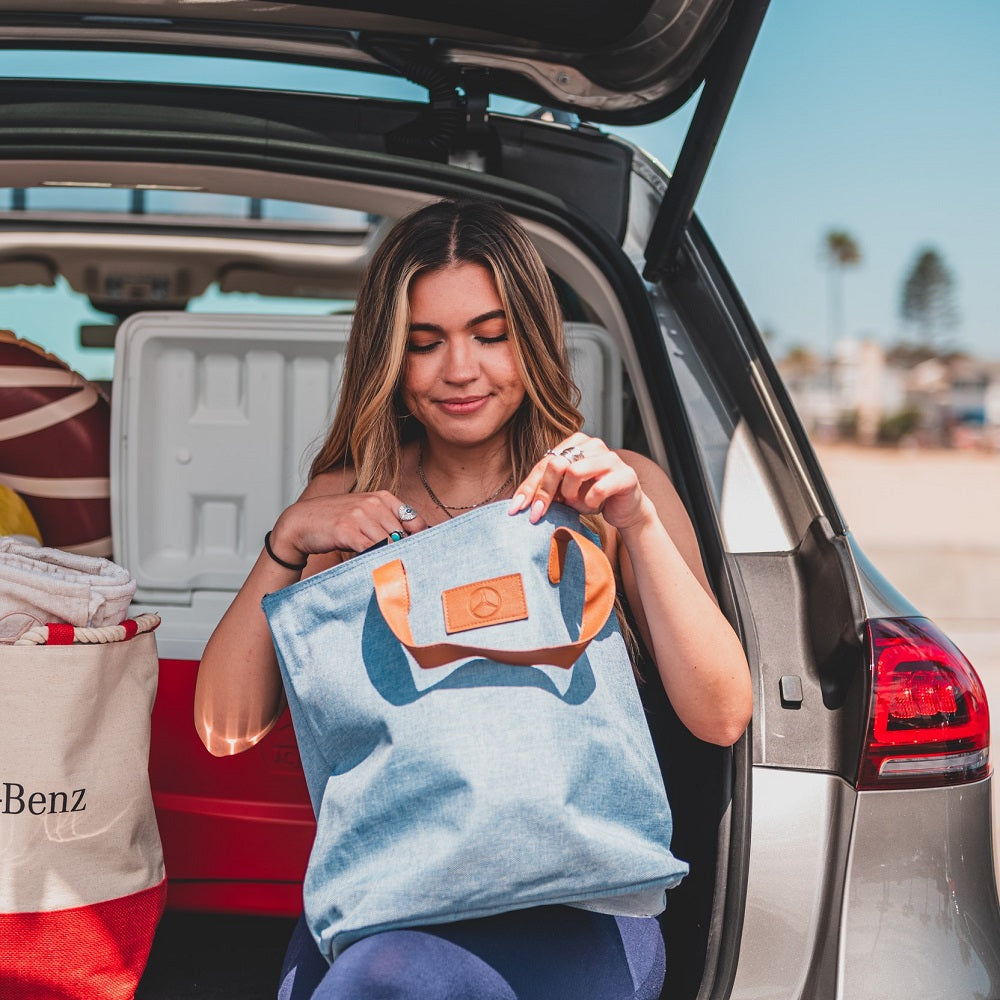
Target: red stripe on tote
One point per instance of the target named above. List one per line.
(98, 952)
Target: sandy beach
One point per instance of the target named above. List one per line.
(907, 497)
(929, 521)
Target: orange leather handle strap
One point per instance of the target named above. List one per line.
(393, 595)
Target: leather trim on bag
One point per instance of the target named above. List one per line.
(393, 597)
(486, 602)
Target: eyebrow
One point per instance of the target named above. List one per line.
(475, 321)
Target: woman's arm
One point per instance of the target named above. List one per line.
(239, 694)
(697, 653)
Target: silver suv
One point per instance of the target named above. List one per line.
(842, 849)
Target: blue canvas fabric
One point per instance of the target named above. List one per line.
(475, 787)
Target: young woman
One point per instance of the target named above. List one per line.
(456, 393)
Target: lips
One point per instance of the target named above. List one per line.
(462, 404)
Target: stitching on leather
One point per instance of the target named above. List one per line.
(515, 599)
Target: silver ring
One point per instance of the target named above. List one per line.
(406, 512)
(396, 536)
(572, 453)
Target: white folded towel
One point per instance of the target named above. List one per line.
(48, 585)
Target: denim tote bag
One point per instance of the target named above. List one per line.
(470, 731)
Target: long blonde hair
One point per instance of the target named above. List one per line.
(371, 423)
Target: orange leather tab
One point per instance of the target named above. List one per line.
(487, 602)
(393, 595)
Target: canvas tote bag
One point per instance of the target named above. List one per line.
(82, 884)
(470, 730)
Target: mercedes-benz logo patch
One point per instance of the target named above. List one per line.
(484, 602)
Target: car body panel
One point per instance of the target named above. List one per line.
(800, 841)
(920, 887)
(868, 896)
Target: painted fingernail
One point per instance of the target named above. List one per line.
(516, 504)
(537, 509)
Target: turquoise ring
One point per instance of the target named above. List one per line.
(396, 536)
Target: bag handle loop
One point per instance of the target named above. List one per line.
(59, 634)
(393, 595)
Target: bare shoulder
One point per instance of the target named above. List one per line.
(641, 463)
(656, 484)
(654, 481)
(332, 483)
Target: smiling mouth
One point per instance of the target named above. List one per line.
(466, 404)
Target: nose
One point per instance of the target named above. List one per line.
(461, 364)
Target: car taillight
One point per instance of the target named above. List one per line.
(929, 722)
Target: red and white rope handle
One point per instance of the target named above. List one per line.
(66, 635)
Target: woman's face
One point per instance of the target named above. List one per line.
(461, 381)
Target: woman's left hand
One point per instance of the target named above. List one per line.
(697, 653)
(585, 474)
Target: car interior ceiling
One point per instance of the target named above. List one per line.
(698, 776)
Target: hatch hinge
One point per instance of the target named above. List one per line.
(723, 71)
(474, 147)
(454, 127)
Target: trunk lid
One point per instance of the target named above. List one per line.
(624, 61)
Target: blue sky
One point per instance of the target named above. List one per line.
(878, 118)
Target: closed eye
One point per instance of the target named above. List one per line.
(413, 348)
(422, 348)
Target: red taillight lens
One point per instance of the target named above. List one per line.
(929, 722)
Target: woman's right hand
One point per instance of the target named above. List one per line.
(238, 696)
(351, 522)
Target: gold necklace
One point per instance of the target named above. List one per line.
(445, 507)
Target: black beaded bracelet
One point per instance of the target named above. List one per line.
(277, 559)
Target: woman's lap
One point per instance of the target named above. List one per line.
(547, 953)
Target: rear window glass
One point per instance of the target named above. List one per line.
(42, 306)
(215, 71)
(212, 71)
(177, 204)
(60, 319)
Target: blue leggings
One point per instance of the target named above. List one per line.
(547, 953)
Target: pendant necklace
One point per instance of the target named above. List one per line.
(445, 507)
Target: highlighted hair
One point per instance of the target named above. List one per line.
(371, 423)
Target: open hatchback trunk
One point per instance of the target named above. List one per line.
(214, 416)
(204, 222)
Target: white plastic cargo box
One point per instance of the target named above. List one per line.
(215, 419)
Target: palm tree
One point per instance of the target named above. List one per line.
(840, 251)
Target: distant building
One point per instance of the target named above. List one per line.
(871, 395)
